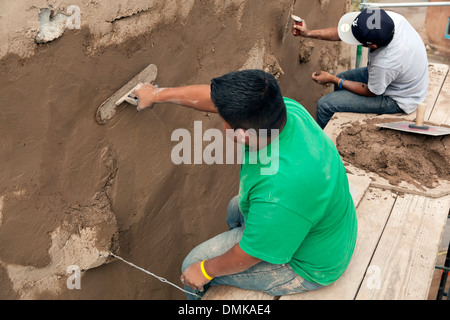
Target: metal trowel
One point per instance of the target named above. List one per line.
(119, 100)
(418, 126)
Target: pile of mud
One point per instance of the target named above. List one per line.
(417, 159)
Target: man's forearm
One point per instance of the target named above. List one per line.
(231, 262)
(359, 88)
(330, 34)
(196, 96)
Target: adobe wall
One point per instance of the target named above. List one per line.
(72, 190)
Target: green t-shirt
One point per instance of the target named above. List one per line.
(297, 206)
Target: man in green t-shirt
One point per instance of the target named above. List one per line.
(293, 225)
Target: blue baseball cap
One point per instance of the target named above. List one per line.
(370, 26)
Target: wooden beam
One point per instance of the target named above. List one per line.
(437, 75)
(404, 260)
(358, 187)
(441, 110)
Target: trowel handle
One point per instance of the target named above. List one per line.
(128, 98)
(420, 115)
(132, 100)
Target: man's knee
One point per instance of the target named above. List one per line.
(184, 265)
(324, 105)
(324, 111)
(234, 216)
(233, 205)
(187, 262)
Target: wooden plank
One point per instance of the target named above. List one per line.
(233, 293)
(373, 213)
(403, 263)
(437, 75)
(441, 111)
(358, 186)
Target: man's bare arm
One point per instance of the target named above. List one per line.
(358, 87)
(231, 262)
(362, 89)
(330, 34)
(195, 96)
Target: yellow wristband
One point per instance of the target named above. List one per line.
(202, 266)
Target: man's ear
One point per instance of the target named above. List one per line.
(242, 136)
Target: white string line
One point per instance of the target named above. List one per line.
(153, 275)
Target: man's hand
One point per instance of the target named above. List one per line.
(147, 95)
(194, 278)
(323, 77)
(303, 29)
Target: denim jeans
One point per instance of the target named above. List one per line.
(276, 280)
(342, 100)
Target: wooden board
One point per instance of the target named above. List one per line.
(441, 110)
(358, 186)
(403, 263)
(437, 76)
(373, 213)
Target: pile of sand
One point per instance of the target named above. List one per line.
(420, 160)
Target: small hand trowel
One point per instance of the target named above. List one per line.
(418, 126)
(115, 103)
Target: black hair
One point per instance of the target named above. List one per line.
(249, 99)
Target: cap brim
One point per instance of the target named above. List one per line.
(345, 28)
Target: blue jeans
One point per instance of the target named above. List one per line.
(276, 280)
(345, 101)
